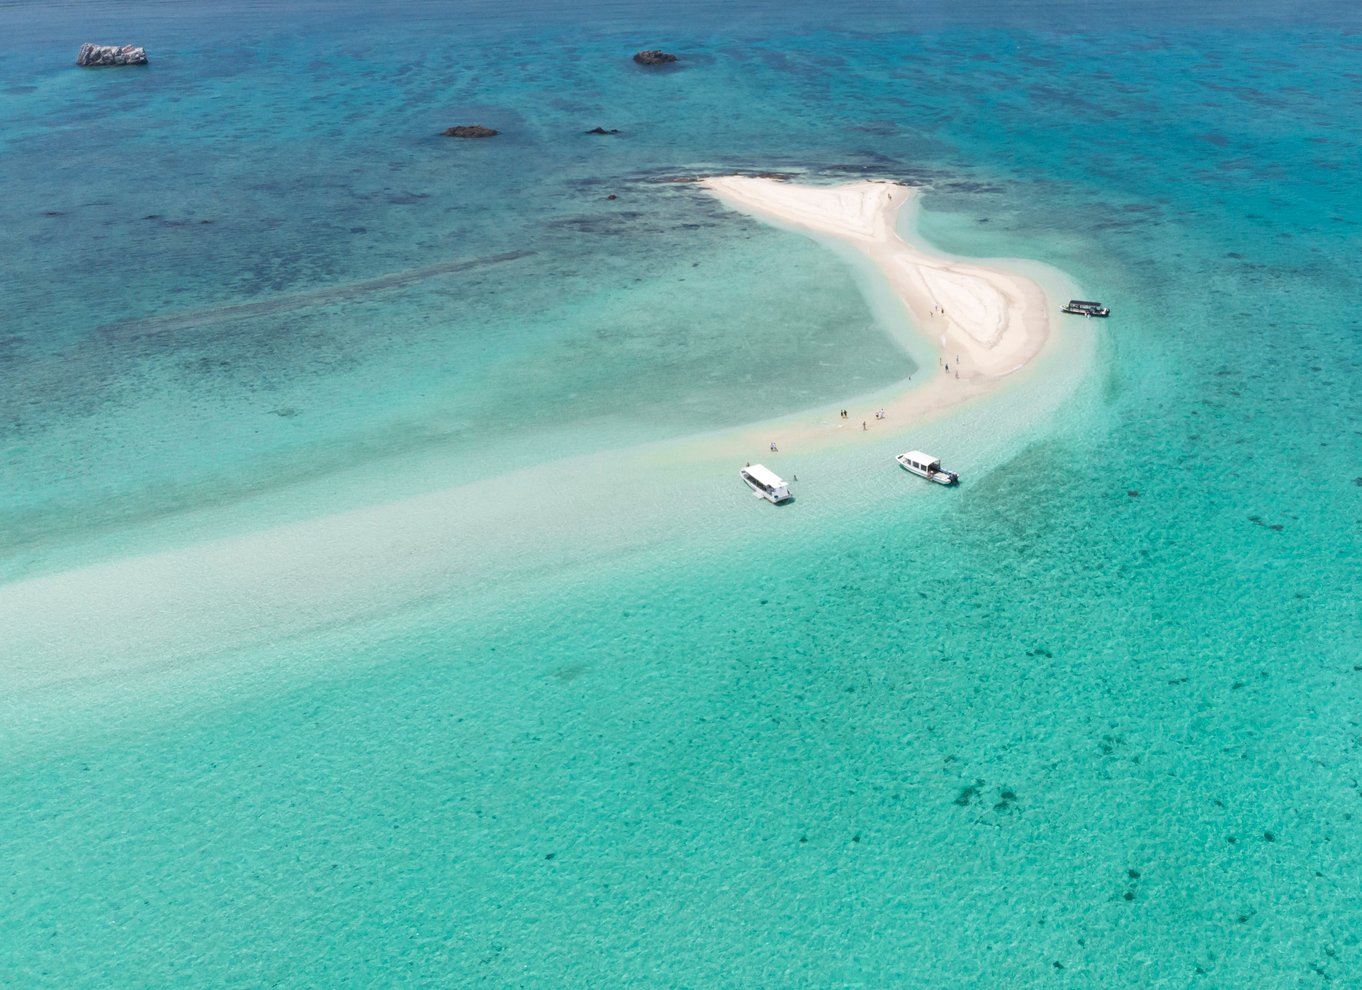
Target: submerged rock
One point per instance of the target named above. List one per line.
(654, 56)
(95, 55)
(602, 130)
(470, 131)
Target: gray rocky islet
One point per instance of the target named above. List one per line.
(99, 55)
(470, 131)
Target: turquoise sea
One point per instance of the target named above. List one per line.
(371, 613)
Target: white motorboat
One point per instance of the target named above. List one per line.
(765, 483)
(926, 466)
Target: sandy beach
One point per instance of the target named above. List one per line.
(981, 322)
(993, 320)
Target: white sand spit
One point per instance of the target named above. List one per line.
(994, 320)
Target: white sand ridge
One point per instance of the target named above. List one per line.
(993, 320)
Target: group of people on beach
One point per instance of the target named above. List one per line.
(879, 414)
(864, 425)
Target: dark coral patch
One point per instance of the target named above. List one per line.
(968, 793)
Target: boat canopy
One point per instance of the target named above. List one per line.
(765, 476)
(1087, 303)
(919, 457)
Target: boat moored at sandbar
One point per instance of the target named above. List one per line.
(926, 466)
(765, 483)
(1086, 307)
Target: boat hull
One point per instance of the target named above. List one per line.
(940, 476)
(774, 491)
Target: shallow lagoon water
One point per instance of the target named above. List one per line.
(1097, 708)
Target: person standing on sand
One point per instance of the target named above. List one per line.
(863, 426)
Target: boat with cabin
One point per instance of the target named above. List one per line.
(1086, 307)
(927, 466)
(765, 483)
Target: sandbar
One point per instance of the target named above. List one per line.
(982, 322)
(174, 610)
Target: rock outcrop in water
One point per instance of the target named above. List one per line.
(96, 55)
(654, 56)
(602, 130)
(470, 131)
